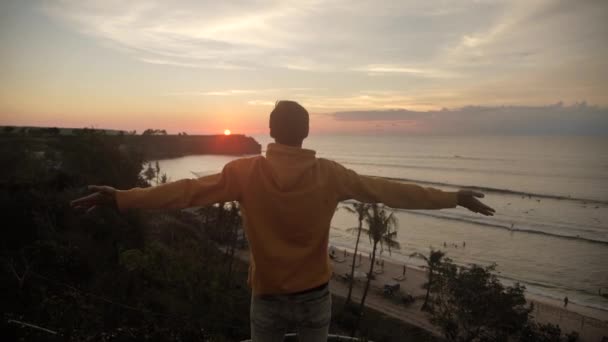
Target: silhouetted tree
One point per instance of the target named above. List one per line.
(537, 332)
(433, 263)
(381, 229)
(471, 304)
(361, 210)
(151, 131)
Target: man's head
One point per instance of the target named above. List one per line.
(289, 123)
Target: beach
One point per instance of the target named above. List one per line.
(591, 324)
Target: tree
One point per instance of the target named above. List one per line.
(381, 229)
(233, 222)
(472, 305)
(92, 275)
(433, 262)
(151, 131)
(361, 210)
(149, 173)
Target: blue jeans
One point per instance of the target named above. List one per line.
(274, 315)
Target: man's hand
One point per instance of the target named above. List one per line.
(466, 198)
(103, 196)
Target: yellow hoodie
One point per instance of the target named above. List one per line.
(287, 201)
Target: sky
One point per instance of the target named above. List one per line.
(359, 67)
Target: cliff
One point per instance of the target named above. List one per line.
(171, 146)
(150, 146)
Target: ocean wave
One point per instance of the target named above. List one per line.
(502, 191)
(498, 225)
(424, 157)
(501, 171)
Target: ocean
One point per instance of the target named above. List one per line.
(550, 231)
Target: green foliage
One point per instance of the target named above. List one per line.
(92, 158)
(106, 275)
(470, 304)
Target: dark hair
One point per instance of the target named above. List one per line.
(288, 123)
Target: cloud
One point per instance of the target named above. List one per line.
(275, 92)
(533, 33)
(456, 46)
(400, 69)
(320, 35)
(229, 92)
(261, 103)
(185, 33)
(577, 119)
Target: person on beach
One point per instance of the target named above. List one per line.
(566, 301)
(287, 200)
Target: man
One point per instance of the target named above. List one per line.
(287, 201)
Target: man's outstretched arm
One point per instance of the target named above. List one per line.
(351, 185)
(221, 187)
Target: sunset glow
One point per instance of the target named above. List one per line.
(227, 132)
(364, 67)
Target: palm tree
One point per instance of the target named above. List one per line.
(381, 228)
(433, 261)
(361, 209)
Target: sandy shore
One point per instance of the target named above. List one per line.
(590, 323)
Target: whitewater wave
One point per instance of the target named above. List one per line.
(501, 171)
(501, 191)
(498, 225)
(425, 157)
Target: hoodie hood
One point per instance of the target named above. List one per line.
(289, 165)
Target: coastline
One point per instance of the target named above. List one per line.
(536, 298)
(590, 323)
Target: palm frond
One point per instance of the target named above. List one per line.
(391, 220)
(391, 235)
(419, 256)
(391, 243)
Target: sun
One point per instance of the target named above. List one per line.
(227, 132)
